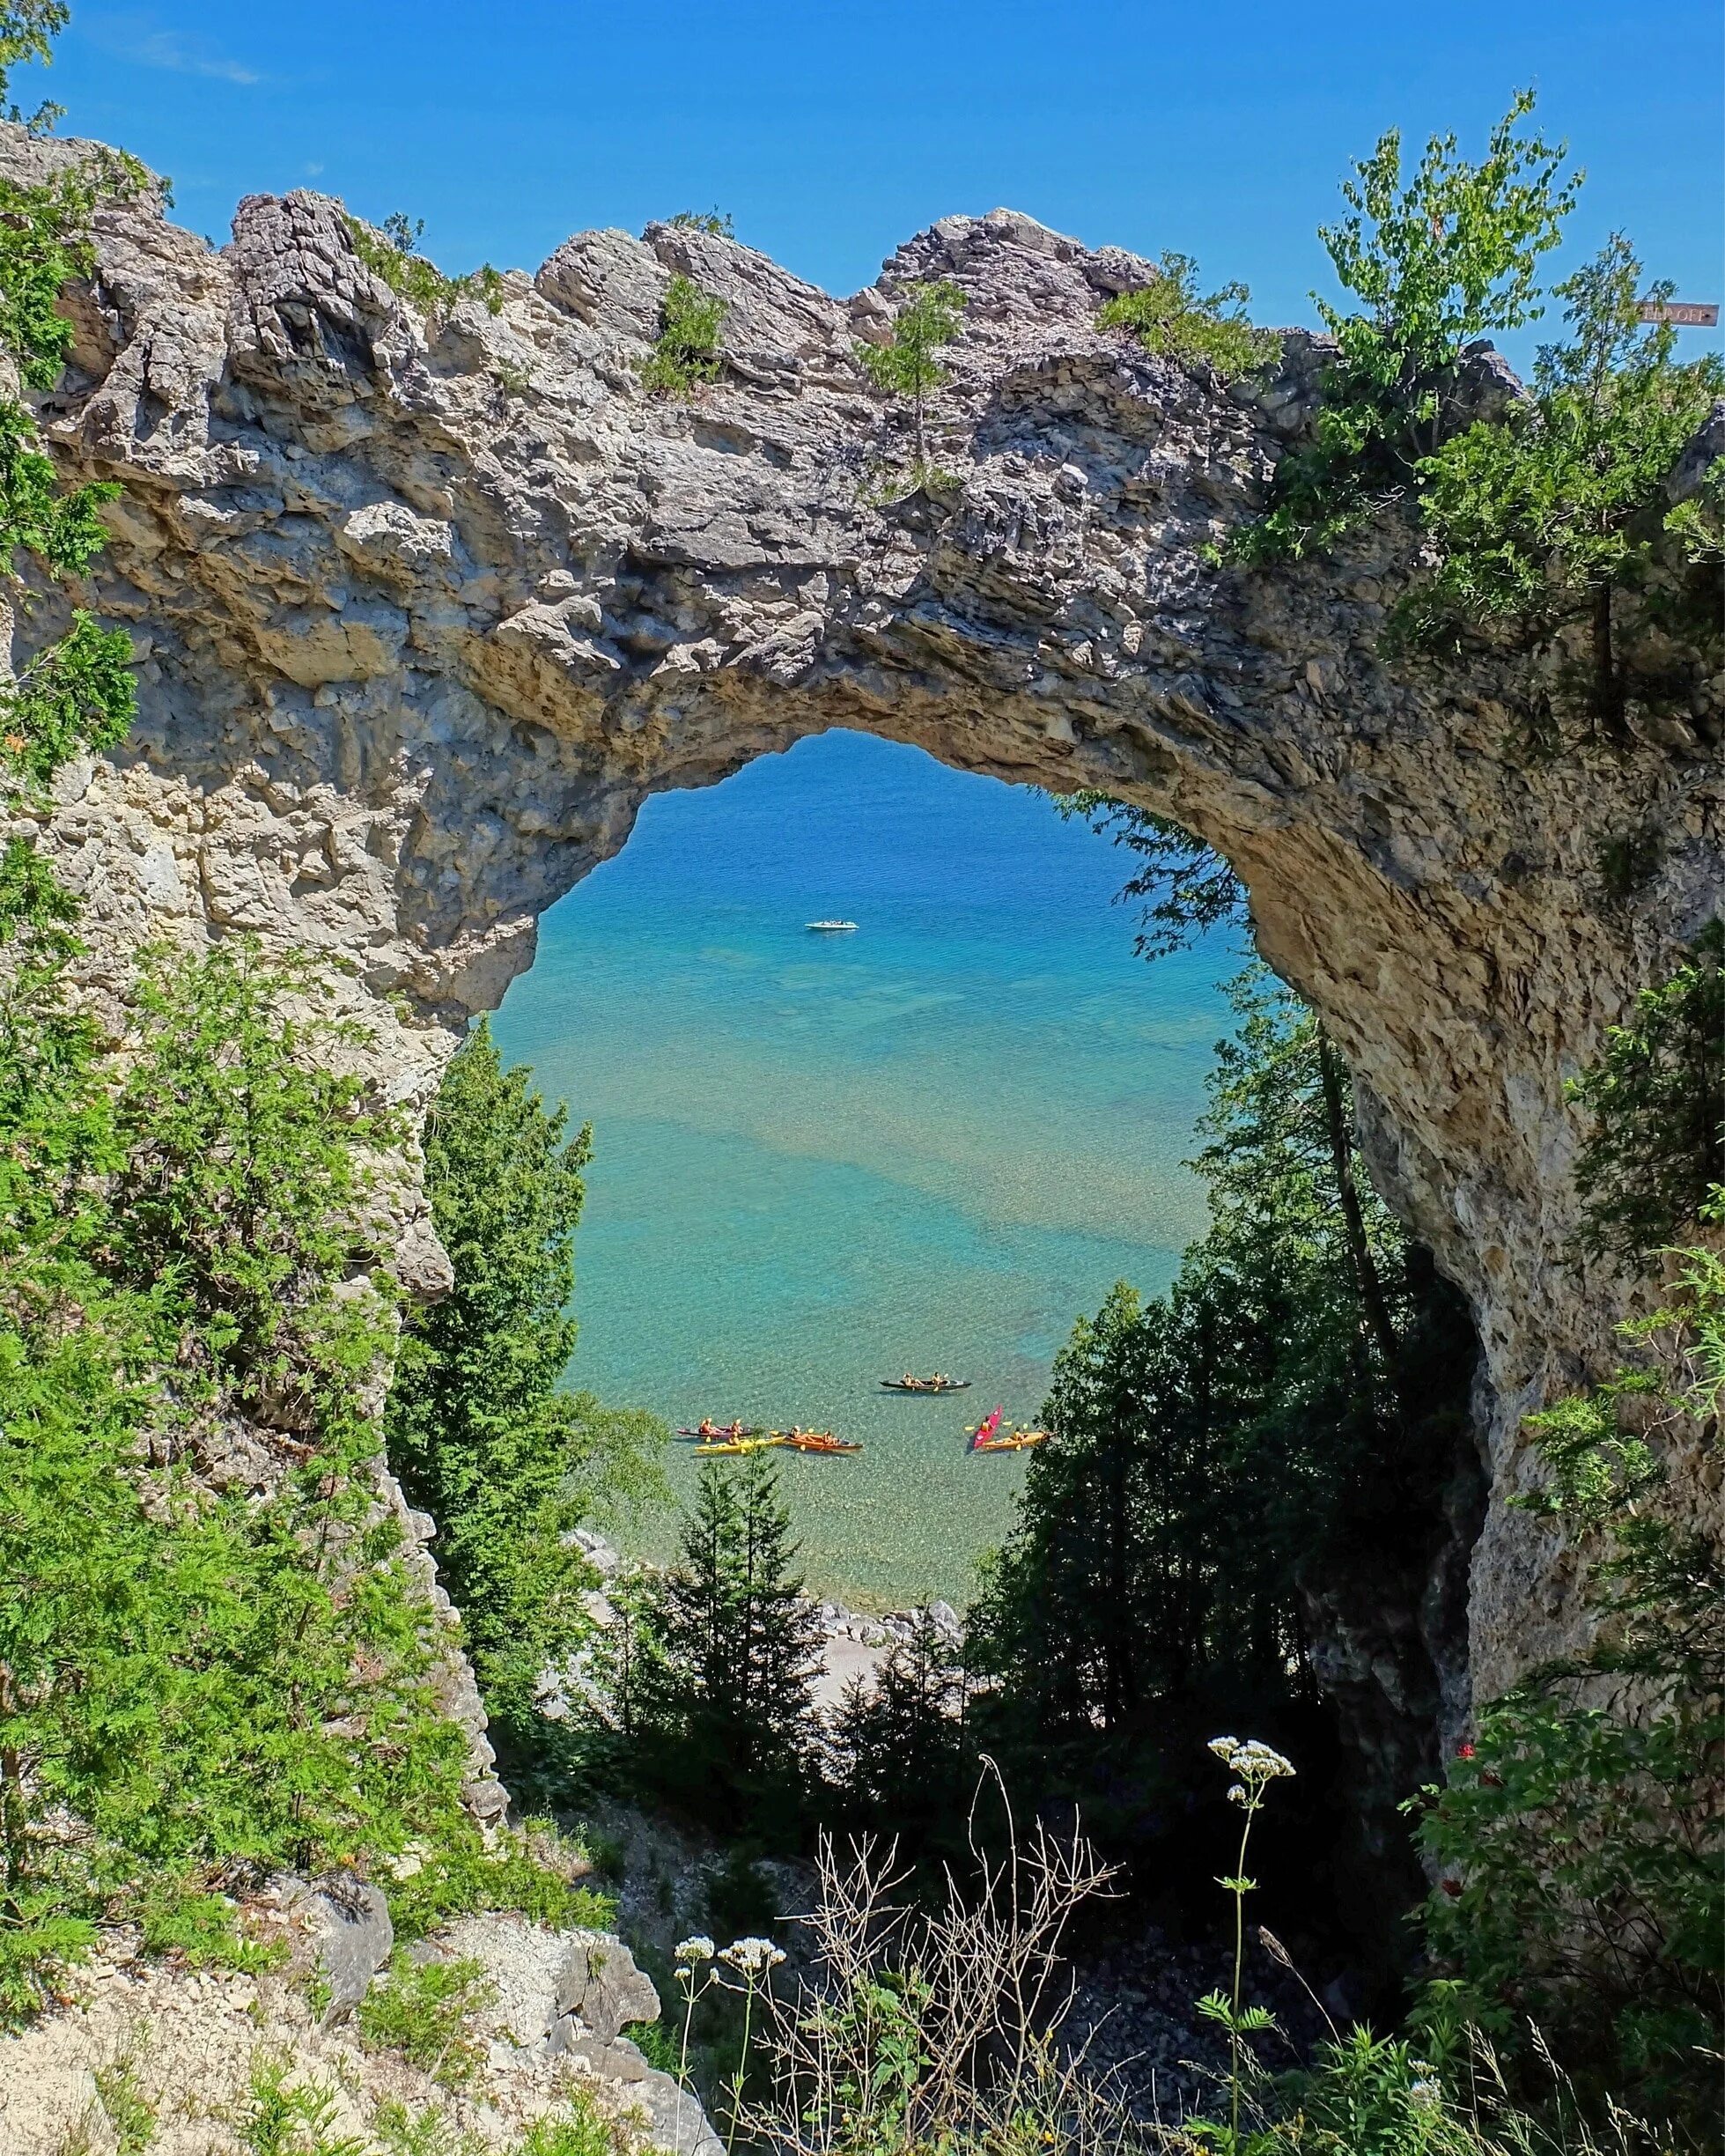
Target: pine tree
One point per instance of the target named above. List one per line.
(478, 1427)
(899, 1746)
(737, 1639)
(905, 365)
(1547, 516)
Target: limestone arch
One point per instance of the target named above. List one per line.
(425, 609)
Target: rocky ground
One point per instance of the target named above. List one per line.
(1134, 2018)
(181, 2050)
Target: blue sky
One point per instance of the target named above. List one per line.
(832, 132)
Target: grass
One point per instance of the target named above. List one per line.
(427, 2013)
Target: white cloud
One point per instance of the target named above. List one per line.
(134, 38)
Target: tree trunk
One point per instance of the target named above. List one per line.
(1607, 674)
(1370, 1287)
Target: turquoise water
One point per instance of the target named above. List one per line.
(820, 1161)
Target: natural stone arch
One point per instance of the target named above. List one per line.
(424, 612)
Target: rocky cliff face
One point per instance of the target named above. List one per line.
(424, 611)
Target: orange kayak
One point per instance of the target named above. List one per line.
(814, 1441)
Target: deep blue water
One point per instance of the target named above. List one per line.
(820, 1161)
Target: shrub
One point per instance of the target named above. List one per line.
(1169, 318)
(687, 349)
(459, 1876)
(1581, 1844)
(718, 222)
(390, 249)
(579, 2130)
(1542, 518)
(202, 1678)
(1438, 259)
(1655, 1099)
(428, 2012)
(283, 2117)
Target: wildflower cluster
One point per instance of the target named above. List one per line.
(1254, 1763)
(751, 1957)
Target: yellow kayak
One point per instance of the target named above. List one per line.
(738, 1444)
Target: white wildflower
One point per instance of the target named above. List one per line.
(1252, 1762)
(700, 1948)
(754, 1956)
(1427, 2095)
(1236, 1793)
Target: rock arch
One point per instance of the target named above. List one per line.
(424, 612)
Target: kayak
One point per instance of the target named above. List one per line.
(721, 1433)
(1020, 1441)
(925, 1384)
(814, 1441)
(738, 1445)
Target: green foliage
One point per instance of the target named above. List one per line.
(1655, 1099)
(579, 2130)
(130, 2112)
(906, 366)
(429, 2012)
(63, 531)
(1220, 1454)
(1190, 887)
(721, 1717)
(479, 1428)
(687, 349)
(283, 2117)
(1580, 1845)
(1170, 318)
(200, 1930)
(716, 221)
(27, 31)
(902, 1764)
(1438, 259)
(391, 250)
(247, 1166)
(77, 694)
(430, 2132)
(1544, 516)
(39, 1942)
(527, 1870)
(200, 1677)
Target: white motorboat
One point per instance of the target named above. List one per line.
(832, 927)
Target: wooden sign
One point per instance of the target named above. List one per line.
(1679, 314)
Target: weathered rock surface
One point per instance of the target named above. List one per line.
(347, 1938)
(197, 2040)
(424, 610)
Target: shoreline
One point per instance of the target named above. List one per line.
(855, 1643)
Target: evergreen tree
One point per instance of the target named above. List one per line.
(900, 1760)
(1228, 1461)
(736, 1641)
(906, 365)
(479, 1428)
(1544, 517)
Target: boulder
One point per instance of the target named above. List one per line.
(349, 1937)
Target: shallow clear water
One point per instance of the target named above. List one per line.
(820, 1161)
